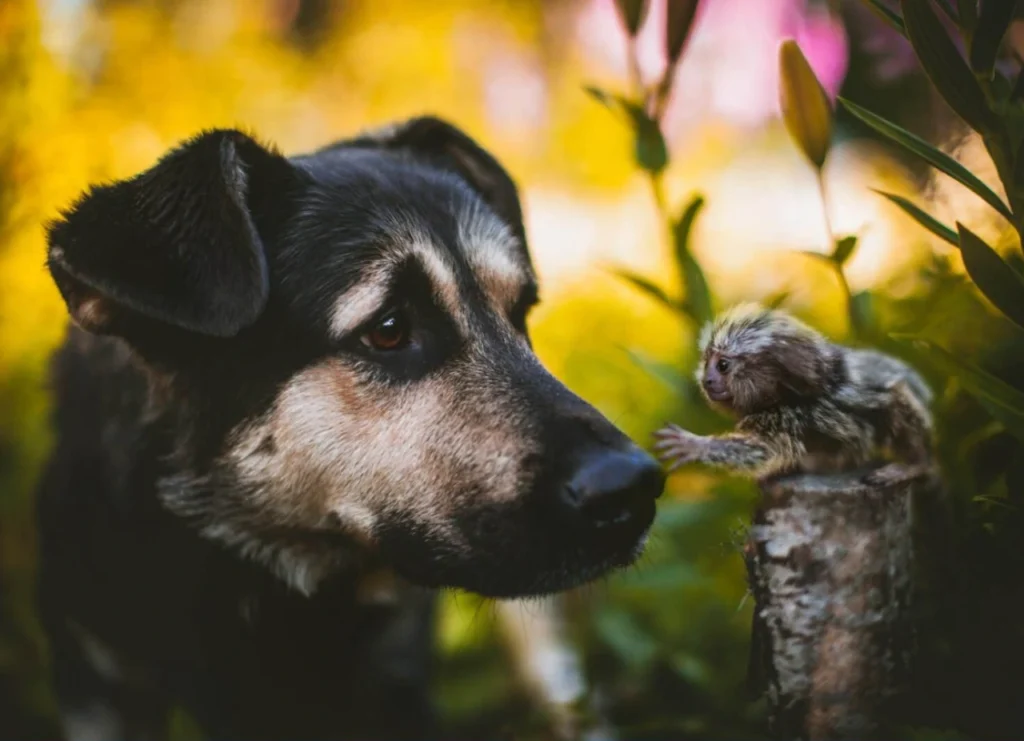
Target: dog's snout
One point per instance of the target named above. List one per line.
(615, 488)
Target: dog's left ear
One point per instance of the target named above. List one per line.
(178, 246)
(443, 145)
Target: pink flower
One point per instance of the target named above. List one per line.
(730, 67)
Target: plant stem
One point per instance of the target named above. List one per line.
(824, 210)
(840, 273)
(658, 191)
(636, 78)
(663, 91)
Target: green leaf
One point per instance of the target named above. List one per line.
(690, 668)
(620, 632)
(646, 286)
(650, 149)
(697, 297)
(1000, 283)
(923, 218)
(988, 34)
(843, 249)
(938, 159)
(944, 65)
(680, 515)
(601, 96)
(670, 575)
(804, 104)
(669, 375)
(632, 13)
(862, 310)
(967, 10)
(1004, 402)
(827, 259)
(1018, 88)
(777, 299)
(888, 15)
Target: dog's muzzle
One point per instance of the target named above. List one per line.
(614, 491)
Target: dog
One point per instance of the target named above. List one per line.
(298, 397)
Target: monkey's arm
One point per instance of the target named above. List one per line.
(743, 451)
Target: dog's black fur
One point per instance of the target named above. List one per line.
(202, 289)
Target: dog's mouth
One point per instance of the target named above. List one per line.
(506, 556)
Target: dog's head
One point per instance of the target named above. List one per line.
(341, 339)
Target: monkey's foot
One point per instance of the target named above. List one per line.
(676, 446)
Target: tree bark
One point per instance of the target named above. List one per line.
(830, 560)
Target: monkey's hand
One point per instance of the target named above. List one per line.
(677, 447)
(739, 451)
(893, 473)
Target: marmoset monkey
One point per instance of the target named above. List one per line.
(804, 404)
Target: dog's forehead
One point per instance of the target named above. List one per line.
(368, 212)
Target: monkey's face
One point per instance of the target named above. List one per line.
(739, 383)
(718, 369)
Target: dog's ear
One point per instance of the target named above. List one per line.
(177, 244)
(444, 145)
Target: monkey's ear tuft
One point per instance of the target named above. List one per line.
(804, 362)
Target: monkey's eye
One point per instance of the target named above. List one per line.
(389, 333)
(723, 365)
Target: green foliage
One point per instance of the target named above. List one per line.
(1001, 284)
(930, 154)
(1004, 402)
(843, 249)
(923, 218)
(651, 151)
(697, 301)
(946, 68)
(980, 416)
(646, 286)
(888, 15)
(987, 31)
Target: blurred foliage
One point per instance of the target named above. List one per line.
(96, 90)
(971, 544)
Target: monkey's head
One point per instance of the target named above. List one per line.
(753, 358)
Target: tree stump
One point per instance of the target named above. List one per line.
(830, 560)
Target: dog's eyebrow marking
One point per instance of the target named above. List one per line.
(493, 251)
(359, 303)
(442, 277)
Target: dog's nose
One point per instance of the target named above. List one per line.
(613, 488)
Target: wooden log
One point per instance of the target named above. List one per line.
(830, 560)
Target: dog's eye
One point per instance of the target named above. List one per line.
(723, 365)
(390, 332)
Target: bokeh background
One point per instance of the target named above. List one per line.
(98, 89)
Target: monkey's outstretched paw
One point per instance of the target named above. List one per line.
(893, 473)
(677, 446)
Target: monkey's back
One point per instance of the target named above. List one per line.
(872, 371)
